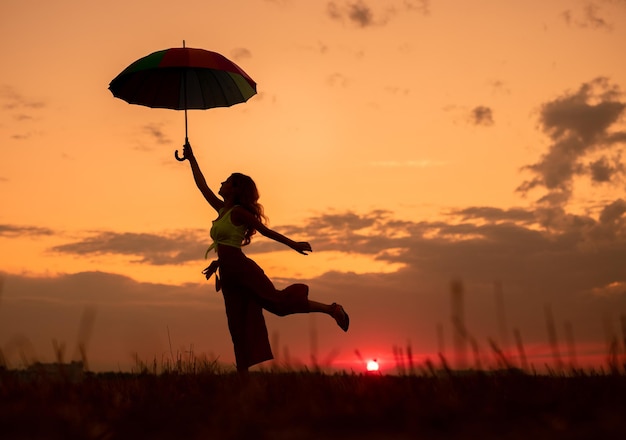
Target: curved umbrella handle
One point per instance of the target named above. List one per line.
(178, 158)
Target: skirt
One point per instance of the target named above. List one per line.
(247, 291)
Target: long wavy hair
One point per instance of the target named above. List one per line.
(246, 195)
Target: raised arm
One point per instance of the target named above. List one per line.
(241, 216)
(198, 177)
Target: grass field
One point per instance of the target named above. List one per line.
(210, 404)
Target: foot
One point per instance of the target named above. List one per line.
(340, 315)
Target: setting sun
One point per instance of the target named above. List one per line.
(372, 365)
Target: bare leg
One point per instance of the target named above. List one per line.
(334, 310)
(315, 306)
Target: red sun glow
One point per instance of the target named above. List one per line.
(372, 365)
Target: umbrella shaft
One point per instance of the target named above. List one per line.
(185, 99)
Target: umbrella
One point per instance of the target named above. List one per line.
(183, 78)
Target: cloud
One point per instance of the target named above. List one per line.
(183, 246)
(579, 124)
(491, 214)
(321, 47)
(421, 6)
(13, 100)
(485, 241)
(611, 289)
(478, 241)
(589, 17)
(169, 248)
(338, 80)
(499, 86)
(24, 110)
(604, 169)
(481, 115)
(394, 90)
(85, 288)
(241, 53)
(360, 14)
(13, 231)
(528, 248)
(155, 132)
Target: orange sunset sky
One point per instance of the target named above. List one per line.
(411, 142)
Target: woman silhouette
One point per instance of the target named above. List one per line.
(245, 287)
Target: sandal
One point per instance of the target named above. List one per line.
(340, 315)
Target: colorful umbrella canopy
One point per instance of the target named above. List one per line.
(183, 78)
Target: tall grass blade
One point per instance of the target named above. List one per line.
(520, 350)
(571, 345)
(458, 324)
(552, 338)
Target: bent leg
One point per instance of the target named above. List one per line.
(292, 299)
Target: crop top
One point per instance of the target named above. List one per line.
(225, 232)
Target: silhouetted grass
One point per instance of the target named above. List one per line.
(210, 403)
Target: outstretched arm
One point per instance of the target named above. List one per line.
(240, 216)
(301, 247)
(198, 177)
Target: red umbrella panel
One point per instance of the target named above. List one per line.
(183, 78)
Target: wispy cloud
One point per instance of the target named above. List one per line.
(23, 110)
(155, 131)
(499, 86)
(360, 14)
(338, 80)
(13, 100)
(12, 231)
(241, 53)
(590, 15)
(394, 90)
(421, 6)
